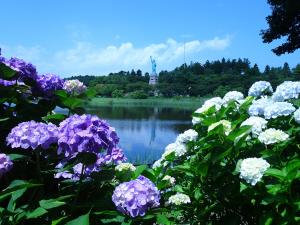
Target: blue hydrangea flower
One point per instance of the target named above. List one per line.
(25, 70)
(258, 106)
(32, 134)
(136, 197)
(49, 83)
(286, 90)
(5, 164)
(278, 109)
(297, 115)
(85, 133)
(260, 88)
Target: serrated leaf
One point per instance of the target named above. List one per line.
(54, 117)
(139, 170)
(163, 219)
(275, 173)
(6, 72)
(82, 220)
(54, 203)
(36, 213)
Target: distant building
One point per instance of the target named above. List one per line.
(153, 79)
(153, 76)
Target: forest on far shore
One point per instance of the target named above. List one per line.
(196, 79)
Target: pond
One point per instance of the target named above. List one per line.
(145, 131)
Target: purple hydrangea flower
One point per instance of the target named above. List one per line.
(135, 197)
(2, 59)
(25, 70)
(113, 156)
(74, 86)
(6, 83)
(32, 134)
(5, 164)
(85, 133)
(49, 83)
(75, 172)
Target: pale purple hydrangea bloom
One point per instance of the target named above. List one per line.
(32, 134)
(49, 83)
(25, 70)
(74, 86)
(85, 133)
(136, 197)
(5, 164)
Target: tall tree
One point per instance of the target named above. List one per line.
(296, 70)
(286, 69)
(267, 70)
(283, 22)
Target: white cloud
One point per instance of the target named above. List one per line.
(87, 58)
(33, 53)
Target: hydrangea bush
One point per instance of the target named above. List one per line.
(241, 161)
(55, 167)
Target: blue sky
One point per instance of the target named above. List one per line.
(71, 37)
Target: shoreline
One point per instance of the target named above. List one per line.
(182, 102)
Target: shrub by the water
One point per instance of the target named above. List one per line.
(239, 164)
(137, 95)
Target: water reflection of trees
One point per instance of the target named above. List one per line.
(145, 131)
(139, 113)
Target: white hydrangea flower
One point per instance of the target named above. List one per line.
(178, 148)
(286, 90)
(169, 179)
(278, 109)
(216, 101)
(125, 167)
(179, 199)
(258, 124)
(233, 95)
(297, 115)
(259, 88)
(196, 120)
(272, 136)
(74, 86)
(253, 169)
(258, 106)
(226, 124)
(159, 163)
(186, 136)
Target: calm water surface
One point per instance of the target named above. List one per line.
(145, 131)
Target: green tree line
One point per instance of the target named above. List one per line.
(196, 79)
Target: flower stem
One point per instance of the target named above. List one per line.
(80, 182)
(38, 164)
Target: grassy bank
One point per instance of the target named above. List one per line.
(182, 102)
